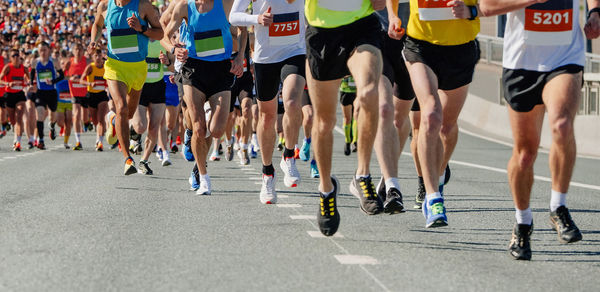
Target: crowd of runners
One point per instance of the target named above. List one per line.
(226, 78)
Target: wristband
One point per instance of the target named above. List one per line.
(144, 29)
(473, 10)
(597, 10)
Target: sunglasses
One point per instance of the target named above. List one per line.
(15, 55)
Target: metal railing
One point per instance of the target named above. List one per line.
(491, 53)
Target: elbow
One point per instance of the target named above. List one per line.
(486, 10)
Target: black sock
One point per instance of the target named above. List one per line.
(421, 180)
(268, 169)
(40, 128)
(52, 124)
(288, 153)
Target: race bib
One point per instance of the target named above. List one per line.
(100, 83)
(44, 76)
(285, 29)
(341, 5)
(153, 68)
(209, 43)
(18, 83)
(124, 41)
(549, 23)
(64, 97)
(77, 89)
(435, 10)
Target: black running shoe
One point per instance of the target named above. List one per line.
(144, 168)
(220, 149)
(420, 197)
(393, 203)
(347, 149)
(41, 145)
(363, 188)
(329, 217)
(447, 174)
(561, 221)
(31, 146)
(354, 147)
(52, 133)
(520, 248)
(174, 149)
(381, 189)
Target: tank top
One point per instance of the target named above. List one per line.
(543, 37)
(76, 69)
(124, 43)
(44, 73)
(433, 22)
(208, 36)
(63, 91)
(97, 76)
(155, 68)
(15, 74)
(2, 88)
(336, 13)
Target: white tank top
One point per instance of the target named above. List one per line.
(544, 36)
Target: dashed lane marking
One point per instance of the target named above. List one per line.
(351, 259)
(303, 217)
(318, 234)
(289, 205)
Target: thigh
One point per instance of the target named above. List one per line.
(425, 84)
(366, 65)
(562, 95)
(527, 127)
(323, 96)
(194, 99)
(156, 113)
(118, 93)
(452, 103)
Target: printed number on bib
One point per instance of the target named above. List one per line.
(435, 10)
(341, 5)
(209, 43)
(99, 83)
(153, 68)
(549, 23)
(45, 76)
(77, 89)
(285, 29)
(124, 41)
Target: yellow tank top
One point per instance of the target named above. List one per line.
(336, 13)
(97, 76)
(432, 21)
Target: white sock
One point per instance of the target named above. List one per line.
(392, 182)
(18, 138)
(433, 196)
(31, 139)
(204, 177)
(442, 178)
(77, 137)
(358, 176)
(101, 139)
(165, 155)
(558, 199)
(244, 146)
(524, 216)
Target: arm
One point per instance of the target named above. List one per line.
(237, 67)
(395, 30)
(96, 28)
(179, 14)
(238, 15)
(5, 71)
(497, 7)
(86, 72)
(164, 22)
(61, 76)
(32, 74)
(151, 16)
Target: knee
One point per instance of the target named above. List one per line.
(324, 125)
(525, 156)
(199, 128)
(400, 122)
(447, 129)
(432, 122)
(367, 96)
(562, 129)
(293, 106)
(386, 111)
(267, 117)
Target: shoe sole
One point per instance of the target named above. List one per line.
(109, 137)
(393, 207)
(437, 223)
(418, 205)
(519, 257)
(131, 170)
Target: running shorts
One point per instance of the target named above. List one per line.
(153, 93)
(64, 106)
(30, 96)
(347, 98)
(306, 98)
(416, 107)
(208, 77)
(95, 98)
(523, 88)
(280, 108)
(133, 74)
(82, 101)
(328, 49)
(453, 65)
(394, 68)
(269, 76)
(13, 98)
(2, 101)
(46, 98)
(245, 84)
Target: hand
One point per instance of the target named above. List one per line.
(592, 26)
(378, 4)
(48, 81)
(163, 58)
(74, 78)
(172, 79)
(181, 53)
(92, 84)
(266, 18)
(237, 66)
(92, 47)
(459, 9)
(395, 30)
(134, 23)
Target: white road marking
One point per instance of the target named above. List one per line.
(318, 234)
(303, 217)
(9, 157)
(258, 183)
(351, 259)
(339, 130)
(289, 205)
(254, 178)
(283, 196)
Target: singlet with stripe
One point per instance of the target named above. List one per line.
(97, 76)
(208, 36)
(124, 43)
(155, 68)
(44, 73)
(336, 13)
(433, 22)
(17, 75)
(64, 95)
(76, 69)
(348, 85)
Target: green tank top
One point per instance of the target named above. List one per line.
(155, 68)
(348, 85)
(336, 13)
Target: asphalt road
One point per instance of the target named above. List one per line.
(70, 221)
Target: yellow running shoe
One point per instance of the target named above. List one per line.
(111, 134)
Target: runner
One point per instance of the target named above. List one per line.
(4, 125)
(30, 114)
(125, 70)
(241, 92)
(437, 29)
(543, 71)
(97, 99)
(349, 114)
(75, 68)
(14, 78)
(279, 56)
(207, 72)
(345, 41)
(307, 123)
(46, 74)
(64, 111)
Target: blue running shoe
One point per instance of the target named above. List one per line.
(314, 171)
(187, 145)
(435, 213)
(305, 151)
(159, 154)
(194, 179)
(253, 153)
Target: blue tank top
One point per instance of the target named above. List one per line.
(208, 36)
(124, 43)
(45, 72)
(171, 91)
(63, 91)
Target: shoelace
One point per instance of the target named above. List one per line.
(368, 188)
(437, 208)
(565, 219)
(327, 206)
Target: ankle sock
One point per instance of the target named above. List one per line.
(268, 169)
(288, 153)
(524, 216)
(392, 182)
(558, 199)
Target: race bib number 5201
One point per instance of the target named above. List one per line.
(549, 23)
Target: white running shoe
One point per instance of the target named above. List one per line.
(255, 142)
(291, 176)
(205, 188)
(243, 156)
(215, 156)
(268, 195)
(166, 162)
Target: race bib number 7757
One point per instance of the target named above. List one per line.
(549, 23)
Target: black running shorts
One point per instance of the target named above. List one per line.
(523, 88)
(46, 98)
(153, 93)
(244, 83)
(453, 65)
(394, 68)
(347, 98)
(82, 101)
(328, 49)
(13, 98)
(269, 76)
(208, 77)
(95, 98)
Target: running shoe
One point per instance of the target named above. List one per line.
(194, 179)
(90, 127)
(144, 168)
(314, 171)
(187, 145)
(420, 197)
(67, 146)
(354, 147)
(363, 188)
(178, 140)
(52, 132)
(520, 247)
(253, 153)
(328, 217)
(220, 149)
(255, 144)
(347, 149)
(113, 146)
(435, 213)
(41, 145)
(174, 148)
(296, 153)
(305, 151)
(111, 134)
(447, 174)
(62, 131)
(205, 187)
(99, 147)
(166, 162)
(392, 199)
(215, 156)
(77, 146)
(268, 195)
(129, 166)
(17, 146)
(7, 127)
(159, 154)
(563, 224)
(229, 153)
(280, 146)
(137, 148)
(31, 146)
(291, 176)
(243, 156)
(2, 133)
